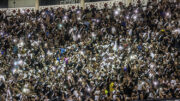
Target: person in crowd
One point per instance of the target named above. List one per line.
(110, 54)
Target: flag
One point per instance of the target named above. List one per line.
(111, 87)
(58, 59)
(62, 50)
(66, 60)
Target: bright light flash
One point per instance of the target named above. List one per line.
(120, 47)
(136, 11)
(43, 13)
(15, 40)
(78, 12)
(93, 34)
(143, 82)
(65, 17)
(88, 89)
(25, 90)
(49, 53)
(53, 68)
(1, 33)
(132, 57)
(14, 70)
(79, 36)
(69, 77)
(115, 47)
(167, 14)
(82, 53)
(155, 83)
(29, 35)
(152, 55)
(97, 20)
(135, 17)
(150, 75)
(20, 62)
(21, 44)
(60, 26)
(22, 11)
(19, 55)
(15, 63)
(80, 79)
(151, 65)
(177, 30)
(127, 17)
(56, 62)
(116, 12)
(36, 43)
(79, 18)
(39, 19)
(45, 44)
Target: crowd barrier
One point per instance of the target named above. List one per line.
(98, 5)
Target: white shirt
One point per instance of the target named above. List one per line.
(2, 77)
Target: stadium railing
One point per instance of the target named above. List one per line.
(98, 5)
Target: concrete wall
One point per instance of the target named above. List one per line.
(21, 3)
(3, 3)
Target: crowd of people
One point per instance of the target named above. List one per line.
(110, 54)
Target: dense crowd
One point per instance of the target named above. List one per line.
(111, 54)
